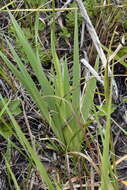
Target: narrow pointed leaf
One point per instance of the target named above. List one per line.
(76, 69)
(35, 63)
(87, 101)
(28, 83)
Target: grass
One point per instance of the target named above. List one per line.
(64, 100)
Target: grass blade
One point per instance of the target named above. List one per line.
(12, 175)
(35, 63)
(76, 69)
(106, 184)
(32, 153)
(87, 101)
(28, 83)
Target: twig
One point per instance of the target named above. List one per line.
(80, 173)
(69, 173)
(28, 127)
(92, 32)
(82, 34)
(92, 178)
(87, 74)
(92, 70)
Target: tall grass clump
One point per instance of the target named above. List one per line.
(59, 101)
(65, 106)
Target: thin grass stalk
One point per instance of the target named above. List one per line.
(105, 180)
(60, 117)
(74, 126)
(12, 175)
(39, 10)
(76, 70)
(23, 140)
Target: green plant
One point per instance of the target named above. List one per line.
(60, 102)
(32, 155)
(92, 11)
(64, 32)
(45, 57)
(35, 3)
(5, 125)
(90, 5)
(70, 17)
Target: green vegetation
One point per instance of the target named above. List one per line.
(52, 107)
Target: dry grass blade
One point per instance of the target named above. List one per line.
(87, 97)
(87, 157)
(121, 159)
(96, 42)
(69, 173)
(117, 50)
(92, 32)
(90, 68)
(39, 10)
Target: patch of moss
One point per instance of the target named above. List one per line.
(65, 33)
(46, 57)
(70, 21)
(90, 6)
